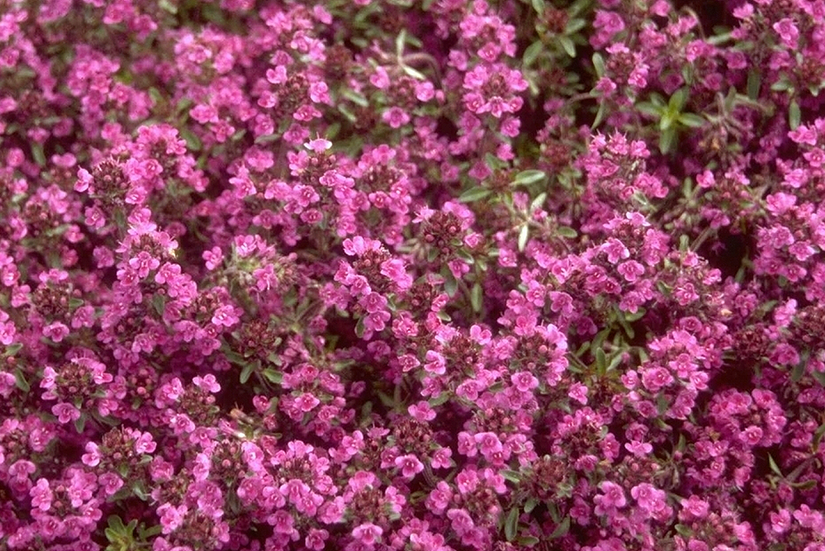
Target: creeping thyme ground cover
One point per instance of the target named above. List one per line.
(437, 275)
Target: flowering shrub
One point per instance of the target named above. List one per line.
(446, 275)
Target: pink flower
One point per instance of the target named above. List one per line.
(213, 258)
(380, 79)
(648, 497)
(318, 145)
(394, 269)
(787, 31)
(612, 498)
(110, 482)
(639, 449)
(182, 424)
(225, 316)
(171, 517)
(656, 378)
(21, 469)
(441, 458)
(395, 117)
(695, 507)
(373, 303)
(66, 413)
(409, 465)
(422, 411)
(143, 263)
(780, 521)
(306, 402)
(56, 331)
(488, 443)
(358, 245)
(524, 381)
(440, 497)
(367, 533)
(144, 443)
(578, 392)
(41, 495)
(92, 456)
(376, 321)
(315, 539)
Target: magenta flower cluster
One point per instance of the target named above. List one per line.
(438, 275)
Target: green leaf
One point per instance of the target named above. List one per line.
(116, 524)
(399, 42)
(554, 512)
(662, 404)
(635, 316)
(667, 120)
(274, 377)
(464, 255)
(155, 94)
(80, 423)
(562, 529)
(649, 109)
(678, 99)
(159, 303)
(450, 282)
(754, 84)
(614, 363)
(494, 162)
(567, 232)
(574, 26)
(360, 328)
(783, 85)
(13, 349)
(476, 297)
(798, 371)
(246, 372)
(37, 154)
(600, 114)
(794, 115)
(683, 530)
(598, 64)
(267, 138)
(474, 194)
(538, 5)
(523, 236)
(234, 357)
(691, 120)
(416, 74)
(818, 436)
(192, 141)
(512, 476)
(356, 98)
(112, 536)
(774, 466)
(20, 381)
(807, 485)
(441, 399)
(146, 533)
(667, 140)
(527, 541)
(626, 326)
(527, 177)
(567, 45)
(601, 360)
(531, 54)
(538, 202)
(511, 524)
(530, 504)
